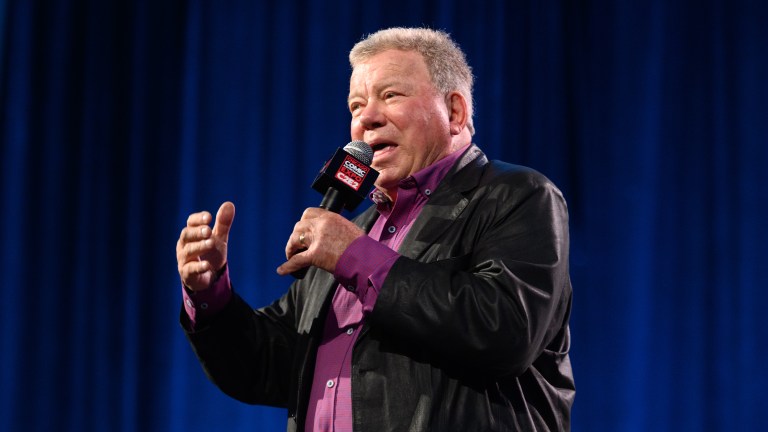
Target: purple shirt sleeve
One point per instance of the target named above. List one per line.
(207, 303)
(363, 267)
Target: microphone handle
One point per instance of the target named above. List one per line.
(332, 201)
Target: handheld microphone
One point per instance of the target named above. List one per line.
(346, 178)
(344, 181)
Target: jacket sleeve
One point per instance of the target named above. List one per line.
(248, 353)
(500, 295)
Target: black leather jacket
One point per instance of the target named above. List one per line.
(469, 332)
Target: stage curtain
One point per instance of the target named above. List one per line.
(118, 119)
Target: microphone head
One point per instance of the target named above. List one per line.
(348, 174)
(362, 151)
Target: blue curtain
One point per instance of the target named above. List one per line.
(117, 119)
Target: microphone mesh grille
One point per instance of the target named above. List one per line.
(362, 151)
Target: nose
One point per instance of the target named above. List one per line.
(372, 117)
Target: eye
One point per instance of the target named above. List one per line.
(354, 106)
(389, 95)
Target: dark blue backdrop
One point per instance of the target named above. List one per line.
(117, 119)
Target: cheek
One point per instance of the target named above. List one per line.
(354, 129)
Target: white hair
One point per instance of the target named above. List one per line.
(446, 62)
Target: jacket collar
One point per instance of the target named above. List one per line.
(443, 207)
(446, 203)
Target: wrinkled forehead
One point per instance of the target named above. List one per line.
(390, 64)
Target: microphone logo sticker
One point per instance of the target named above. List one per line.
(352, 172)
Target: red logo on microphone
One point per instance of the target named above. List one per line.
(352, 172)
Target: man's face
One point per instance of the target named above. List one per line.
(399, 113)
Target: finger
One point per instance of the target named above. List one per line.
(193, 268)
(194, 233)
(299, 239)
(312, 213)
(298, 261)
(297, 242)
(224, 218)
(200, 218)
(192, 251)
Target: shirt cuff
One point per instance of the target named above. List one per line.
(200, 305)
(363, 267)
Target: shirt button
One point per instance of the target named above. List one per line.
(350, 331)
(204, 306)
(329, 383)
(350, 288)
(427, 192)
(391, 229)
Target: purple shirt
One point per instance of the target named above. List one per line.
(206, 303)
(361, 272)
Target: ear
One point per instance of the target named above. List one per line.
(457, 112)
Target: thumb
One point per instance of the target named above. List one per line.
(224, 218)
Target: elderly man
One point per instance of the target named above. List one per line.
(443, 307)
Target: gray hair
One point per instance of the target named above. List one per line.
(445, 61)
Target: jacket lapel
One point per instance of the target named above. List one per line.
(446, 204)
(367, 218)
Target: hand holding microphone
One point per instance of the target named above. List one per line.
(322, 235)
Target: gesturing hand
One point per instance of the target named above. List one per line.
(200, 251)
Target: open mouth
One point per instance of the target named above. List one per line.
(378, 147)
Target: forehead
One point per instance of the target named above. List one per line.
(390, 64)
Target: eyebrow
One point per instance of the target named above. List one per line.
(381, 86)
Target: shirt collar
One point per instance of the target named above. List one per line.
(426, 180)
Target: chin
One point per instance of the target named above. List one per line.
(384, 183)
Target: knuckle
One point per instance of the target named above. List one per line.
(190, 250)
(197, 248)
